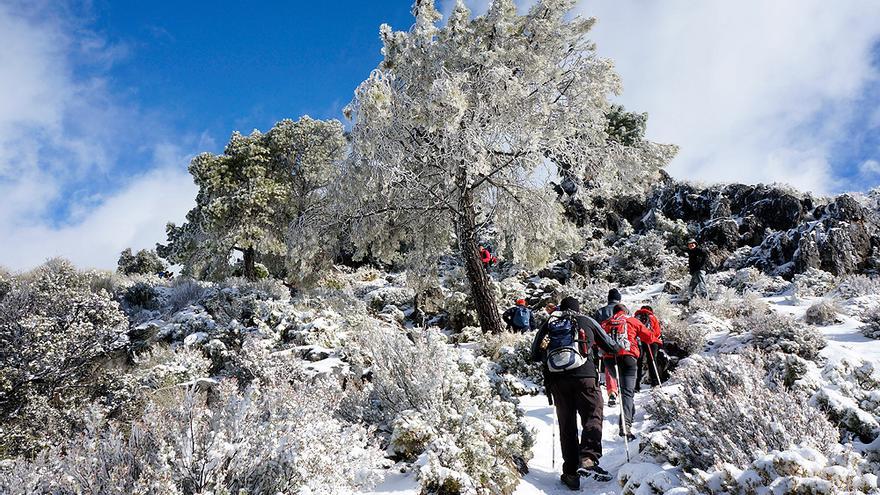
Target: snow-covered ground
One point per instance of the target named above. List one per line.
(845, 341)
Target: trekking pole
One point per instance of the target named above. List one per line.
(654, 365)
(622, 415)
(553, 444)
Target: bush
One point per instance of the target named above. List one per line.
(851, 286)
(443, 404)
(142, 295)
(871, 323)
(776, 332)
(823, 312)
(640, 258)
(682, 339)
(512, 352)
(145, 262)
(724, 412)
(56, 339)
(813, 283)
(729, 305)
(282, 439)
(184, 293)
(796, 470)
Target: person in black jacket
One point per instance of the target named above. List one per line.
(606, 312)
(575, 392)
(698, 261)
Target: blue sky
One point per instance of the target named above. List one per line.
(103, 103)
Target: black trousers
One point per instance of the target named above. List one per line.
(578, 397)
(626, 383)
(646, 362)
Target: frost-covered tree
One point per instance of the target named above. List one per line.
(145, 261)
(55, 336)
(460, 127)
(265, 195)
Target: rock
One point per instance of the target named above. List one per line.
(723, 232)
(671, 288)
(807, 254)
(559, 271)
(846, 208)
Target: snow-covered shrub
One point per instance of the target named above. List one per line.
(803, 470)
(871, 323)
(512, 352)
(730, 305)
(813, 283)
(184, 292)
(56, 337)
(141, 294)
(423, 389)
(724, 412)
(750, 279)
(822, 312)
(640, 258)
(279, 439)
(851, 286)
(385, 296)
(773, 331)
(682, 338)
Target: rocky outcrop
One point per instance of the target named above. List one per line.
(787, 232)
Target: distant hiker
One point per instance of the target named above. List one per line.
(487, 257)
(607, 311)
(519, 318)
(649, 349)
(626, 331)
(563, 344)
(601, 315)
(698, 260)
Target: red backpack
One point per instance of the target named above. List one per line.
(618, 328)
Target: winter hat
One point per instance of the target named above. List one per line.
(520, 302)
(614, 296)
(570, 304)
(692, 241)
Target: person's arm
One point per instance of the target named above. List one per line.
(642, 332)
(603, 340)
(507, 316)
(537, 352)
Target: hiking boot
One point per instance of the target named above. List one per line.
(629, 435)
(612, 399)
(572, 481)
(589, 468)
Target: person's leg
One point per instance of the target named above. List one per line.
(640, 365)
(627, 383)
(610, 377)
(566, 414)
(700, 288)
(591, 410)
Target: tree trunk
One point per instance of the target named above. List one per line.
(481, 289)
(250, 270)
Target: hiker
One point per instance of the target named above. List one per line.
(649, 349)
(487, 257)
(626, 332)
(601, 315)
(698, 260)
(571, 382)
(519, 318)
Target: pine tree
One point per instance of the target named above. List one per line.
(260, 197)
(454, 129)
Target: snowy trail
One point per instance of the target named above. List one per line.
(543, 478)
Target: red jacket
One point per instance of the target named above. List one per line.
(634, 332)
(653, 326)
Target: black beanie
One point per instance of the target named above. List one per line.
(614, 296)
(570, 304)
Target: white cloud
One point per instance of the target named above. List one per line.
(752, 91)
(869, 169)
(133, 217)
(62, 130)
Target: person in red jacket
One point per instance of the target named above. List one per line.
(626, 331)
(487, 257)
(650, 348)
